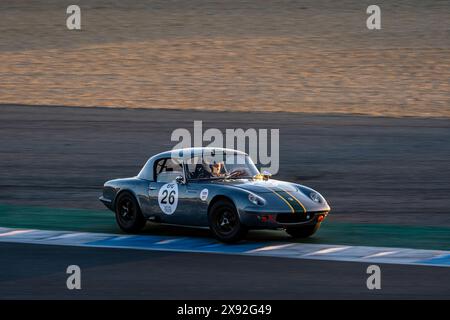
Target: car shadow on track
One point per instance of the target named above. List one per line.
(253, 235)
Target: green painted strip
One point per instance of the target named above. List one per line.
(57, 219)
(382, 235)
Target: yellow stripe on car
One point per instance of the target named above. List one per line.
(287, 202)
(301, 204)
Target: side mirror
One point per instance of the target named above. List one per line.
(180, 180)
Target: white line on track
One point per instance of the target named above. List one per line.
(380, 254)
(327, 251)
(274, 247)
(14, 232)
(167, 241)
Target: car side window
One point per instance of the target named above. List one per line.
(166, 170)
(196, 168)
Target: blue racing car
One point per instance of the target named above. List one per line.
(213, 187)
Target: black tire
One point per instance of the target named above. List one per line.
(128, 214)
(303, 231)
(224, 222)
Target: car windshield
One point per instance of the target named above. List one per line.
(220, 166)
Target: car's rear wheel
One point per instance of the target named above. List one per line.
(224, 222)
(303, 231)
(128, 214)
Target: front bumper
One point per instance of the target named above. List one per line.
(276, 220)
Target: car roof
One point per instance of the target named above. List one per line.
(185, 153)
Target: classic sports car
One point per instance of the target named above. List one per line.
(216, 188)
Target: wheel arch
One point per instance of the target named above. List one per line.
(220, 197)
(126, 190)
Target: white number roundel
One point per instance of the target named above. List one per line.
(168, 198)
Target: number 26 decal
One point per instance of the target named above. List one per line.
(171, 197)
(168, 198)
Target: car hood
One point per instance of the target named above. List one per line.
(259, 186)
(279, 191)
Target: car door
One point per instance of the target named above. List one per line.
(196, 194)
(166, 195)
(194, 204)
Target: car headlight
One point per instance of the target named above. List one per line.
(256, 200)
(315, 197)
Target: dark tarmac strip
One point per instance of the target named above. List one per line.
(372, 170)
(39, 272)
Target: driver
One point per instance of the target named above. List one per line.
(217, 169)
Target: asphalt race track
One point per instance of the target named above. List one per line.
(376, 170)
(373, 170)
(31, 271)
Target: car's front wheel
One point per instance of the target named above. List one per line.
(224, 222)
(303, 231)
(128, 214)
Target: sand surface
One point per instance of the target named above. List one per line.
(298, 56)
